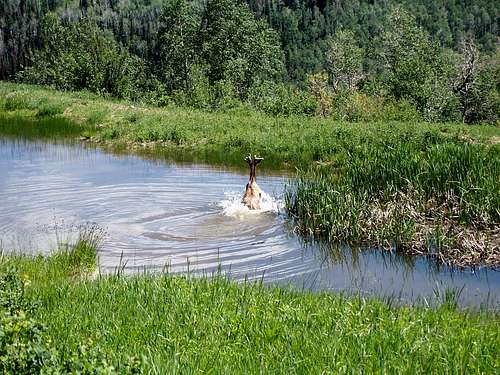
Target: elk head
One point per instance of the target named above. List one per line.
(253, 194)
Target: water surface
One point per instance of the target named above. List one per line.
(184, 217)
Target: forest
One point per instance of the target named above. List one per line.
(349, 60)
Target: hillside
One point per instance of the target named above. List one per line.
(303, 26)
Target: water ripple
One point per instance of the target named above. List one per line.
(178, 218)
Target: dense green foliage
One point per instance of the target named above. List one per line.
(25, 343)
(214, 53)
(437, 60)
(22, 346)
(305, 26)
(80, 56)
(169, 324)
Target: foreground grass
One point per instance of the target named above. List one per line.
(164, 324)
(420, 188)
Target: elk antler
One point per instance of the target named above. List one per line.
(257, 159)
(253, 160)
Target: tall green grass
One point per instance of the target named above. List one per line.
(163, 324)
(55, 317)
(39, 128)
(25, 345)
(70, 260)
(290, 142)
(418, 193)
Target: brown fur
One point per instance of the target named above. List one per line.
(253, 193)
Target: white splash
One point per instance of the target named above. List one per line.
(232, 205)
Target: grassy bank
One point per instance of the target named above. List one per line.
(221, 137)
(436, 197)
(420, 188)
(163, 324)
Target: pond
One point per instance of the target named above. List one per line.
(179, 217)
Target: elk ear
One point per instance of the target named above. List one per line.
(248, 159)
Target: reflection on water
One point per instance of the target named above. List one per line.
(188, 217)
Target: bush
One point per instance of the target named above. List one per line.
(357, 106)
(96, 116)
(201, 95)
(482, 101)
(281, 100)
(15, 103)
(25, 347)
(219, 96)
(50, 109)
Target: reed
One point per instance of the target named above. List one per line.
(440, 196)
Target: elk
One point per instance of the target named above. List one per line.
(252, 195)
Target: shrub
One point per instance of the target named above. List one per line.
(400, 110)
(50, 109)
(281, 100)
(319, 89)
(23, 347)
(96, 117)
(357, 106)
(201, 95)
(132, 116)
(15, 103)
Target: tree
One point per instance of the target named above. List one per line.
(237, 47)
(223, 39)
(467, 77)
(344, 61)
(177, 40)
(318, 87)
(476, 84)
(82, 56)
(410, 58)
